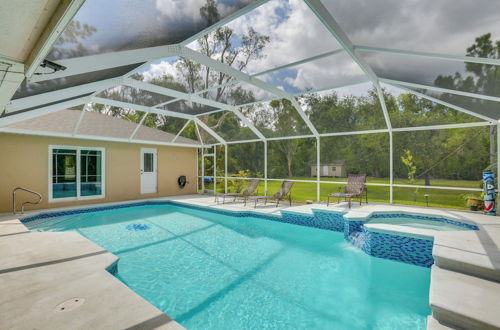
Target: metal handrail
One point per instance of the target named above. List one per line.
(22, 205)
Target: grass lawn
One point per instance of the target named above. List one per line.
(303, 191)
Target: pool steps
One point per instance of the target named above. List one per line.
(463, 301)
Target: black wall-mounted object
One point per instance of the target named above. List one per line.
(181, 181)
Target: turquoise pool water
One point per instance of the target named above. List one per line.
(212, 271)
(418, 223)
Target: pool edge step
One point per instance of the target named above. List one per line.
(464, 301)
(480, 265)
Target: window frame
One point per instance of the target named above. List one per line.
(78, 150)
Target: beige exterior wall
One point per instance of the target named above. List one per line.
(24, 162)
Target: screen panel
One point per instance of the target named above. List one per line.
(228, 126)
(134, 95)
(348, 109)
(269, 36)
(460, 76)
(445, 26)
(329, 72)
(277, 118)
(409, 110)
(105, 26)
(30, 89)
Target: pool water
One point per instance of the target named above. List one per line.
(212, 271)
(419, 223)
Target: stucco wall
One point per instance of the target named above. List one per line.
(24, 162)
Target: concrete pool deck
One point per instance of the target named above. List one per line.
(40, 270)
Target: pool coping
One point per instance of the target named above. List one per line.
(46, 269)
(487, 225)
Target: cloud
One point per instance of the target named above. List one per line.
(159, 69)
(180, 9)
(446, 26)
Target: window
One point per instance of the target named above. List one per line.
(334, 168)
(148, 162)
(75, 173)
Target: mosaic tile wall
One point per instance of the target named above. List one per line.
(411, 250)
(330, 220)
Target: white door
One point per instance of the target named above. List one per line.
(325, 170)
(148, 171)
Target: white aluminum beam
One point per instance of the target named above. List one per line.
(470, 59)
(331, 24)
(226, 69)
(182, 130)
(198, 132)
(334, 28)
(208, 30)
(224, 21)
(291, 137)
(94, 137)
(10, 83)
(304, 116)
(306, 60)
(136, 129)
(138, 107)
(446, 104)
(442, 90)
(372, 131)
(105, 61)
(60, 94)
(244, 141)
(298, 94)
(173, 93)
(17, 117)
(209, 130)
(447, 126)
(281, 67)
(80, 118)
(56, 25)
(248, 124)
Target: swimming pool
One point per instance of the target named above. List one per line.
(216, 271)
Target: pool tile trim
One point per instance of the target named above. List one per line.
(397, 246)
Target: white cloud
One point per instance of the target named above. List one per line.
(157, 70)
(180, 9)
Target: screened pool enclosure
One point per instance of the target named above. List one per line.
(407, 92)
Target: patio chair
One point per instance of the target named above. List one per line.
(245, 194)
(285, 192)
(355, 188)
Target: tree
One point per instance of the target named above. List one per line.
(485, 78)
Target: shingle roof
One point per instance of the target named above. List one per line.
(332, 163)
(95, 124)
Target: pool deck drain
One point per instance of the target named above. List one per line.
(40, 272)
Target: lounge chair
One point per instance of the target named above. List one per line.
(284, 192)
(355, 188)
(245, 194)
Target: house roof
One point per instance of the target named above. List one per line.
(95, 125)
(337, 162)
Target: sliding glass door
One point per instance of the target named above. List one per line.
(90, 173)
(76, 173)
